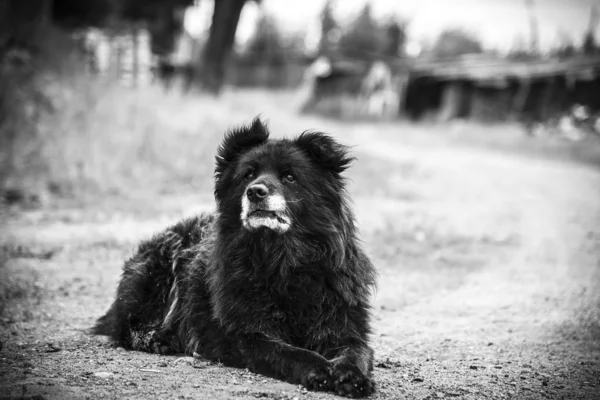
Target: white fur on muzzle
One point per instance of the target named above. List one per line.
(275, 203)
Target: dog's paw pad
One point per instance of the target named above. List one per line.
(318, 379)
(350, 382)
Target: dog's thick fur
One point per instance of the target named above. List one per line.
(274, 281)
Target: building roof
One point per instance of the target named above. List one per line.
(490, 69)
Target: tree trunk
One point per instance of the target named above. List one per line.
(4, 20)
(225, 19)
(46, 12)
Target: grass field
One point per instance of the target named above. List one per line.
(487, 245)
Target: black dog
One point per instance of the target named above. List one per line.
(274, 281)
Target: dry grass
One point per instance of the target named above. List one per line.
(109, 139)
(83, 137)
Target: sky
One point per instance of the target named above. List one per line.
(499, 24)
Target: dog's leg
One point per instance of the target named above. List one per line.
(276, 358)
(351, 372)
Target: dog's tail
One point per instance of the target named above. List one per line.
(105, 324)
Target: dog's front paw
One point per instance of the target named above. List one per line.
(318, 378)
(161, 348)
(348, 381)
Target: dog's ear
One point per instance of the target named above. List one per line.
(238, 141)
(325, 151)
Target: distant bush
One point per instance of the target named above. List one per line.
(455, 42)
(365, 38)
(266, 45)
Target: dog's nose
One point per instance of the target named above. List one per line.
(257, 192)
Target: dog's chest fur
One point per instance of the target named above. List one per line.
(294, 302)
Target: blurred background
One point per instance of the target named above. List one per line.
(82, 81)
(476, 124)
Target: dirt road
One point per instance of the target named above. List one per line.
(489, 284)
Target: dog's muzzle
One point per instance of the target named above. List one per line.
(262, 207)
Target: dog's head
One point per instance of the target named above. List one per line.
(280, 184)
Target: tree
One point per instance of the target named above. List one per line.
(520, 51)
(210, 69)
(147, 10)
(454, 43)
(226, 16)
(395, 35)
(160, 16)
(589, 41)
(20, 20)
(266, 44)
(77, 13)
(329, 29)
(566, 51)
(564, 47)
(364, 39)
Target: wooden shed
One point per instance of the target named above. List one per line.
(356, 89)
(476, 86)
(495, 88)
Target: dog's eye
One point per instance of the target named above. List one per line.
(289, 178)
(249, 175)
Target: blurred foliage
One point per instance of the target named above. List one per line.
(364, 38)
(589, 43)
(455, 42)
(77, 13)
(521, 51)
(269, 46)
(16, 15)
(164, 19)
(266, 44)
(527, 55)
(367, 38)
(590, 46)
(67, 133)
(565, 51)
(148, 10)
(329, 30)
(395, 34)
(34, 78)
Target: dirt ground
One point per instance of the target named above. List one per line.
(489, 282)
